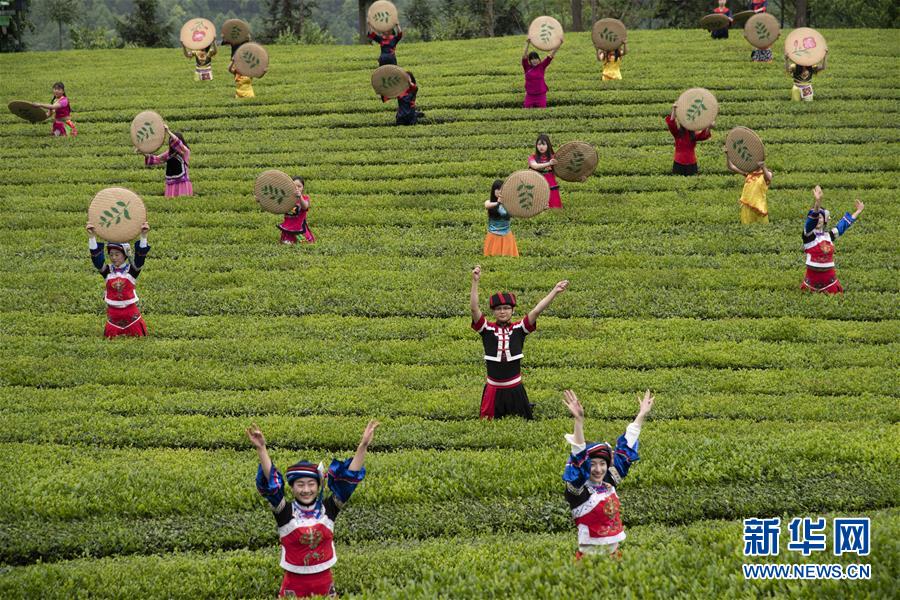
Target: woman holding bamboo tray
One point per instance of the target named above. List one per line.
(499, 240)
(176, 159)
(121, 272)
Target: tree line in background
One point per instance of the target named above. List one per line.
(58, 24)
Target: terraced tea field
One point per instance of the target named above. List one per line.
(124, 468)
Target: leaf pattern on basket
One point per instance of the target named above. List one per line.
(762, 32)
(696, 109)
(546, 32)
(382, 16)
(275, 194)
(390, 81)
(525, 193)
(145, 132)
(115, 213)
(741, 150)
(608, 35)
(235, 32)
(250, 59)
(574, 167)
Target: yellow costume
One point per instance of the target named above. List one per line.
(243, 87)
(611, 67)
(754, 208)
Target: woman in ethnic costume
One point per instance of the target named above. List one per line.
(499, 240)
(203, 59)
(122, 314)
(685, 160)
(543, 161)
(306, 525)
(61, 111)
(388, 44)
(176, 158)
(754, 197)
(592, 473)
(818, 244)
(503, 342)
(295, 221)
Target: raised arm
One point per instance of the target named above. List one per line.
(730, 164)
(672, 121)
(767, 173)
(525, 52)
(473, 294)
(645, 405)
(543, 304)
(812, 218)
(574, 406)
(360, 457)
(96, 249)
(259, 442)
(554, 51)
(187, 53)
(140, 251)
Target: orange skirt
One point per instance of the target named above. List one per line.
(500, 245)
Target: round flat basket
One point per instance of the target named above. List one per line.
(275, 192)
(525, 194)
(198, 34)
(390, 81)
(251, 60)
(117, 214)
(148, 131)
(715, 21)
(382, 16)
(805, 46)
(575, 161)
(28, 111)
(608, 34)
(744, 149)
(740, 18)
(762, 30)
(235, 32)
(696, 109)
(545, 33)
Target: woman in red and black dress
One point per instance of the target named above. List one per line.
(722, 9)
(685, 162)
(818, 244)
(503, 341)
(122, 314)
(388, 42)
(306, 525)
(295, 221)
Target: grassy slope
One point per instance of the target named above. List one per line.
(668, 291)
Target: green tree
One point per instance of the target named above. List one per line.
(61, 12)
(421, 18)
(287, 17)
(142, 28)
(13, 27)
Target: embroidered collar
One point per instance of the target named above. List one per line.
(119, 270)
(307, 511)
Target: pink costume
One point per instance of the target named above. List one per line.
(61, 117)
(176, 158)
(555, 200)
(535, 86)
(294, 223)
